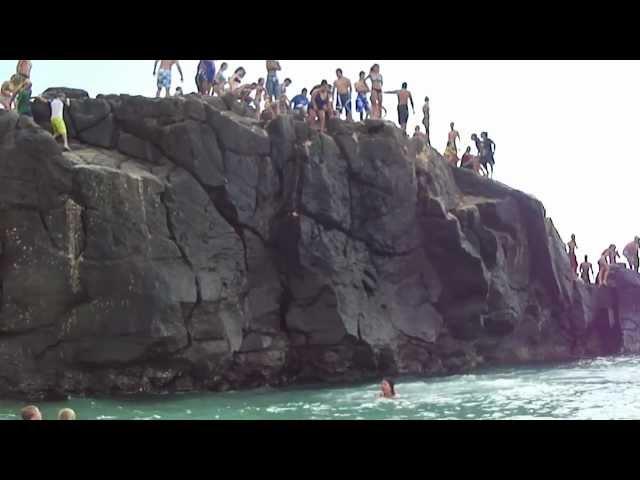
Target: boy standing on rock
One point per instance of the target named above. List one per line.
(362, 104)
(164, 75)
(585, 268)
(404, 97)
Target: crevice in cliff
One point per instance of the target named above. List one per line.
(46, 229)
(286, 298)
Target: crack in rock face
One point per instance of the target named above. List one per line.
(183, 245)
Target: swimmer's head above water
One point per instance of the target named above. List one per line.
(387, 388)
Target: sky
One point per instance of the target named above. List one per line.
(564, 130)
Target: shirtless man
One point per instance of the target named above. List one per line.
(404, 96)
(273, 87)
(572, 245)
(630, 251)
(451, 152)
(376, 91)
(585, 268)
(362, 104)
(488, 149)
(425, 117)
(603, 269)
(164, 75)
(342, 89)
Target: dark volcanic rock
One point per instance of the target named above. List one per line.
(182, 246)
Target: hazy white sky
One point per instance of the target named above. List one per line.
(564, 130)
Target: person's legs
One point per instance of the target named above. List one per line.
(347, 108)
(321, 117)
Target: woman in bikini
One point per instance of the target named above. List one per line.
(236, 79)
(220, 80)
(376, 91)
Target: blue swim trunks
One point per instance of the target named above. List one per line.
(362, 104)
(273, 86)
(343, 101)
(164, 78)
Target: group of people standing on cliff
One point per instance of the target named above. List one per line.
(318, 104)
(608, 257)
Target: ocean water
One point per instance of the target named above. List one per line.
(603, 388)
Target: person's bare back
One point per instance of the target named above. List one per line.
(403, 97)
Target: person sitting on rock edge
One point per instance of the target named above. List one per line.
(300, 102)
(387, 389)
(585, 268)
(31, 412)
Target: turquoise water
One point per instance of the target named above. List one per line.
(595, 389)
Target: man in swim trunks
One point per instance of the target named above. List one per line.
(376, 91)
(206, 76)
(585, 268)
(342, 88)
(362, 104)
(425, 117)
(488, 149)
(273, 87)
(630, 251)
(164, 75)
(573, 261)
(220, 80)
(404, 96)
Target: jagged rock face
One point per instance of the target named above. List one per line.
(182, 245)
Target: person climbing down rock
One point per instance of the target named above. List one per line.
(451, 152)
(585, 268)
(404, 96)
(572, 245)
(164, 75)
(57, 117)
(612, 254)
(630, 251)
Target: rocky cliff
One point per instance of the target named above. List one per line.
(182, 245)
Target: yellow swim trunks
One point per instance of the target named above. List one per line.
(58, 126)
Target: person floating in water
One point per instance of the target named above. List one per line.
(630, 251)
(376, 91)
(342, 89)
(387, 389)
(404, 96)
(362, 104)
(31, 412)
(585, 268)
(425, 118)
(572, 254)
(66, 414)
(451, 152)
(164, 75)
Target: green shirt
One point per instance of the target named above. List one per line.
(23, 102)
